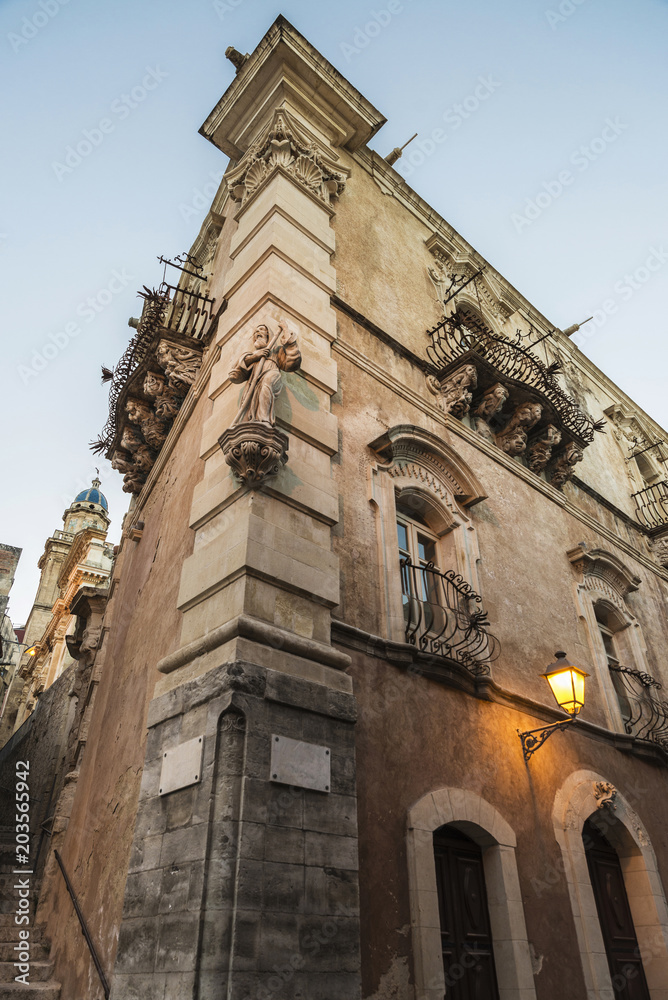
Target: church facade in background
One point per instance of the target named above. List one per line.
(374, 705)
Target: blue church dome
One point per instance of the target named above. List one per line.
(92, 495)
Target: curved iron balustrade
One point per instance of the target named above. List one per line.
(652, 505)
(169, 309)
(454, 337)
(645, 715)
(444, 616)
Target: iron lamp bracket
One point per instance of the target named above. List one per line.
(533, 739)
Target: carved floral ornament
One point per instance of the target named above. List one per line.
(284, 146)
(605, 794)
(253, 448)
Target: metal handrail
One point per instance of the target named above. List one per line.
(84, 928)
(444, 615)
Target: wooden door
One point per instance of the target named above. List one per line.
(466, 939)
(614, 914)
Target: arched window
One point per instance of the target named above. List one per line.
(466, 933)
(428, 549)
(614, 914)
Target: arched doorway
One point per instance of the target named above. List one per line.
(614, 914)
(466, 935)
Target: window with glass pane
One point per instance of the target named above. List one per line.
(419, 582)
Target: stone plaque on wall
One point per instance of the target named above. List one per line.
(181, 766)
(304, 765)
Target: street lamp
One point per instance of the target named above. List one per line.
(567, 683)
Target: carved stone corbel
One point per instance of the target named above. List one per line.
(513, 438)
(489, 406)
(181, 364)
(454, 393)
(564, 466)
(153, 430)
(255, 451)
(659, 549)
(540, 451)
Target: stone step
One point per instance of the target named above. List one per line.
(9, 931)
(40, 991)
(38, 952)
(40, 972)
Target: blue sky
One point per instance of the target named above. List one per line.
(543, 141)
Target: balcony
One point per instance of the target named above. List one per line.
(444, 617)
(645, 715)
(652, 505)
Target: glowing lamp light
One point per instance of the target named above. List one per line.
(567, 683)
(32, 651)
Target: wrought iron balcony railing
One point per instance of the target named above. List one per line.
(652, 505)
(187, 313)
(444, 616)
(645, 715)
(462, 335)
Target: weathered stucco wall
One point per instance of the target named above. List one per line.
(144, 626)
(42, 741)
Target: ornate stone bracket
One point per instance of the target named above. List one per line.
(255, 451)
(456, 396)
(284, 146)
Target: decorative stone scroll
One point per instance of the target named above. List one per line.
(252, 446)
(284, 146)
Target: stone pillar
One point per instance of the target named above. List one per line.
(243, 879)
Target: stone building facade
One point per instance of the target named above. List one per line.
(374, 491)
(76, 556)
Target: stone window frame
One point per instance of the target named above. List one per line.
(478, 819)
(424, 473)
(575, 802)
(606, 581)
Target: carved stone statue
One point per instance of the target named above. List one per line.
(261, 368)
(491, 403)
(513, 438)
(455, 392)
(540, 451)
(180, 363)
(563, 470)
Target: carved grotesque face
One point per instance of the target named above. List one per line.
(131, 439)
(153, 384)
(499, 394)
(136, 410)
